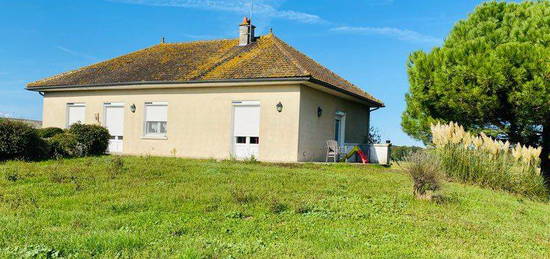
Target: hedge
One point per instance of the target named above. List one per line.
(49, 132)
(19, 140)
(64, 145)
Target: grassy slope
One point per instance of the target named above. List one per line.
(167, 206)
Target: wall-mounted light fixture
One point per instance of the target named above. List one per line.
(319, 111)
(279, 107)
(133, 108)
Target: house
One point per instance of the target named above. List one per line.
(244, 97)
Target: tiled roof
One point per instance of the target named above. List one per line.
(268, 57)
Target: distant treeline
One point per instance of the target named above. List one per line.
(398, 153)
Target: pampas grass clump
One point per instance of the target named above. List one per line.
(481, 160)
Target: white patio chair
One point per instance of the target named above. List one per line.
(333, 151)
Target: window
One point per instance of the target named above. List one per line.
(156, 119)
(254, 140)
(241, 140)
(76, 113)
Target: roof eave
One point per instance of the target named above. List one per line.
(371, 102)
(88, 86)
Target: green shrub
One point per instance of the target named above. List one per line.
(20, 141)
(92, 139)
(49, 132)
(424, 170)
(64, 145)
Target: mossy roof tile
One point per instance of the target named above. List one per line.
(267, 57)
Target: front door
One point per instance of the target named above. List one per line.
(246, 129)
(340, 128)
(114, 122)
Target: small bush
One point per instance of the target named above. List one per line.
(20, 141)
(424, 170)
(64, 145)
(93, 139)
(49, 132)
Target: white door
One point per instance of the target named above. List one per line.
(246, 129)
(114, 122)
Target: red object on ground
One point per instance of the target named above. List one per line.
(363, 157)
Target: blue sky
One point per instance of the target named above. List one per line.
(365, 41)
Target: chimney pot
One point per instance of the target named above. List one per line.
(246, 32)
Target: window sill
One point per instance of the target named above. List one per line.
(154, 137)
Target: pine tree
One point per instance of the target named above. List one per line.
(491, 75)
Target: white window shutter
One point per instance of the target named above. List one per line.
(247, 120)
(76, 114)
(156, 113)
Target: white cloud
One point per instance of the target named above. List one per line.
(298, 16)
(265, 8)
(400, 34)
(76, 53)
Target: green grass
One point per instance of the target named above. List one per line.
(158, 207)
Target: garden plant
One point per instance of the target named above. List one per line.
(488, 162)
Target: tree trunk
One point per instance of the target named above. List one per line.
(545, 161)
(513, 135)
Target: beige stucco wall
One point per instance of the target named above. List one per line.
(315, 131)
(199, 119)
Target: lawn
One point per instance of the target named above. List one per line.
(158, 207)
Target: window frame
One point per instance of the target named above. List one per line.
(154, 135)
(68, 112)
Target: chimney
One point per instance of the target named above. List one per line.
(246, 32)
